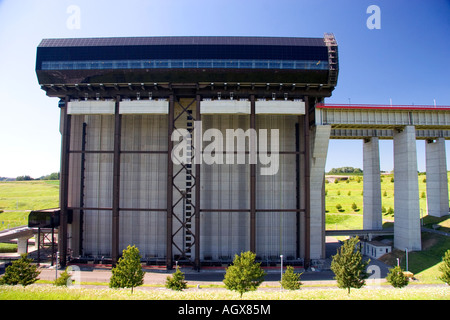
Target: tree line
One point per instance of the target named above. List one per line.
(51, 176)
(344, 170)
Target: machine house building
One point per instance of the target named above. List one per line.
(191, 148)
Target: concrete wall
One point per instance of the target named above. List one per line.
(319, 148)
(437, 182)
(406, 189)
(372, 218)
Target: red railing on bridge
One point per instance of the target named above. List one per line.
(381, 106)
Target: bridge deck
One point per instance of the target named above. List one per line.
(359, 121)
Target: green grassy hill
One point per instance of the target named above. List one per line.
(18, 198)
(347, 192)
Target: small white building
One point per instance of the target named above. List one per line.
(375, 249)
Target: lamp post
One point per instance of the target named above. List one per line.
(281, 270)
(406, 250)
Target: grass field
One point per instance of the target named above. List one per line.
(17, 198)
(347, 192)
(50, 292)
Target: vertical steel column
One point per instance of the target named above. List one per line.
(198, 117)
(82, 178)
(169, 261)
(116, 184)
(307, 184)
(297, 186)
(64, 183)
(252, 178)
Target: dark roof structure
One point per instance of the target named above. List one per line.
(141, 60)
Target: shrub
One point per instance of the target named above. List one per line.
(339, 207)
(128, 272)
(244, 274)
(390, 211)
(445, 268)
(385, 193)
(63, 279)
(348, 265)
(397, 278)
(354, 206)
(176, 281)
(21, 272)
(291, 280)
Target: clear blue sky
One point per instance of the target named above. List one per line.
(407, 60)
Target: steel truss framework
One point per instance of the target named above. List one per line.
(176, 194)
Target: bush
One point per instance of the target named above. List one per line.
(128, 272)
(354, 206)
(445, 268)
(176, 281)
(397, 278)
(339, 207)
(290, 280)
(244, 274)
(63, 279)
(21, 272)
(348, 265)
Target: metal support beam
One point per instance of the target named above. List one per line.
(64, 183)
(82, 185)
(169, 258)
(297, 187)
(116, 185)
(198, 117)
(252, 179)
(307, 184)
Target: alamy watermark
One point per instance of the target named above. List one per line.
(73, 22)
(227, 149)
(374, 20)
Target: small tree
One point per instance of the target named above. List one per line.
(244, 274)
(291, 280)
(64, 279)
(22, 271)
(397, 278)
(348, 265)
(339, 207)
(354, 206)
(445, 268)
(176, 282)
(128, 272)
